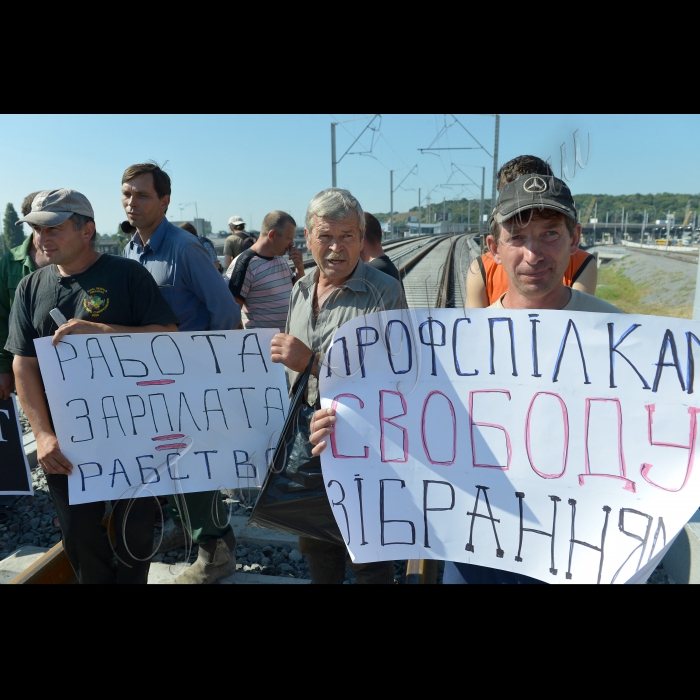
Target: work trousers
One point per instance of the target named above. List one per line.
(327, 564)
(207, 515)
(86, 541)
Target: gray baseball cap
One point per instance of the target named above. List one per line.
(53, 207)
(534, 192)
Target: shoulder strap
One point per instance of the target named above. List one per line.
(481, 267)
(578, 272)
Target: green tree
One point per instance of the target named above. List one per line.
(12, 235)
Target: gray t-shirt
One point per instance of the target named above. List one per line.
(366, 291)
(580, 301)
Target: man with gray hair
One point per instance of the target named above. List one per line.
(260, 278)
(339, 289)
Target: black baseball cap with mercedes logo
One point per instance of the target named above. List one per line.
(533, 192)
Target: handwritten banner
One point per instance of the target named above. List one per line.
(145, 413)
(15, 477)
(553, 444)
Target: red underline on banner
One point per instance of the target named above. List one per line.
(174, 446)
(155, 382)
(174, 436)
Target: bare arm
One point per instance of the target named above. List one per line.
(588, 279)
(78, 327)
(227, 261)
(30, 389)
(476, 291)
(298, 260)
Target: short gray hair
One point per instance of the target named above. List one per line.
(334, 204)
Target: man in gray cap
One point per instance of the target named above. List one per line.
(96, 294)
(237, 242)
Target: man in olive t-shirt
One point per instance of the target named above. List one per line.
(97, 294)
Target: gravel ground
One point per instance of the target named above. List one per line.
(30, 520)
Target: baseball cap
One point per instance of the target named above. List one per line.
(53, 207)
(235, 221)
(534, 192)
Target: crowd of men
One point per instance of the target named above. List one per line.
(170, 280)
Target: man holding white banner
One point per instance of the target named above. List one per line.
(341, 288)
(96, 294)
(533, 234)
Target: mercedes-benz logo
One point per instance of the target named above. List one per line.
(535, 185)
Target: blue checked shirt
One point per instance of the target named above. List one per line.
(192, 286)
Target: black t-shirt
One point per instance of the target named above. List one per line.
(113, 290)
(383, 264)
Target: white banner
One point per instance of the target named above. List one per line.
(142, 414)
(553, 444)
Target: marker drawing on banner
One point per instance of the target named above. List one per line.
(142, 414)
(15, 476)
(557, 445)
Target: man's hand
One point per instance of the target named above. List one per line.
(50, 457)
(321, 427)
(290, 351)
(76, 327)
(296, 257)
(7, 384)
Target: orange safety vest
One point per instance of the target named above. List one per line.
(496, 281)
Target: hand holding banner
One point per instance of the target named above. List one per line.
(142, 414)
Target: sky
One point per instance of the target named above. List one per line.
(248, 165)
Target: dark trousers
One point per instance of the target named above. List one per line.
(86, 541)
(327, 564)
(460, 573)
(207, 515)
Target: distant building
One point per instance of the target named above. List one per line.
(202, 225)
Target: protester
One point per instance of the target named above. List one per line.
(197, 294)
(372, 251)
(487, 281)
(341, 287)
(533, 235)
(208, 245)
(237, 242)
(15, 264)
(81, 283)
(261, 281)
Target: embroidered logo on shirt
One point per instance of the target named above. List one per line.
(96, 301)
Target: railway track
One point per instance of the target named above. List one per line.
(436, 278)
(433, 270)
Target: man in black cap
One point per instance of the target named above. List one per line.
(96, 293)
(533, 233)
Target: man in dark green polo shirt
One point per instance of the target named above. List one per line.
(15, 264)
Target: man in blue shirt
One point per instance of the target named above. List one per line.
(198, 295)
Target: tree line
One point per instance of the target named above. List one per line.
(656, 205)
